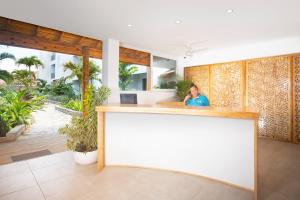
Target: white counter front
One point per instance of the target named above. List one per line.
(219, 147)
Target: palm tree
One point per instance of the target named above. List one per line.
(77, 69)
(5, 55)
(125, 73)
(24, 77)
(30, 61)
(6, 76)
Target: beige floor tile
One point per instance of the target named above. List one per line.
(219, 191)
(55, 171)
(14, 169)
(51, 160)
(16, 182)
(32, 193)
(61, 179)
(67, 187)
(267, 194)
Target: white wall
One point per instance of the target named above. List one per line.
(146, 97)
(246, 51)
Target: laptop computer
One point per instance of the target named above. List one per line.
(128, 98)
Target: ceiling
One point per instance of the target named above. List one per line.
(153, 21)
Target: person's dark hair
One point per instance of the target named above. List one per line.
(193, 85)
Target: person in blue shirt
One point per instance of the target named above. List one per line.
(194, 98)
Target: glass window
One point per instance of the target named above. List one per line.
(163, 73)
(53, 71)
(53, 56)
(132, 77)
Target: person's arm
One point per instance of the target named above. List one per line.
(186, 99)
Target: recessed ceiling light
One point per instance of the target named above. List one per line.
(129, 25)
(229, 11)
(178, 21)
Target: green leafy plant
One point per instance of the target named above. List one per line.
(77, 69)
(6, 76)
(183, 87)
(23, 77)
(82, 132)
(42, 87)
(125, 74)
(61, 87)
(16, 108)
(73, 105)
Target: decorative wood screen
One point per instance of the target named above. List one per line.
(268, 92)
(296, 96)
(270, 86)
(225, 81)
(200, 77)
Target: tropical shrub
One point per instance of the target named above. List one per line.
(60, 87)
(74, 105)
(183, 87)
(82, 132)
(16, 107)
(42, 87)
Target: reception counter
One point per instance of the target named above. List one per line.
(219, 144)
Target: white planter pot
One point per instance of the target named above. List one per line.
(85, 158)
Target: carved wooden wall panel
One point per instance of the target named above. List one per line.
(268, 82)
(296, 104)
(225, 84)
(200, 76)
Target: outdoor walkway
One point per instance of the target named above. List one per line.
(48, 120)
(42, 135)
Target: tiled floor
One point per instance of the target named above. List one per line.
(58, 177)
(30, 143)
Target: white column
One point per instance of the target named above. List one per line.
(110, 68)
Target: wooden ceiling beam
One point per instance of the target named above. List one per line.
(80, 40)
(33, 42)
(134, 57)
(47, 39)
(6, 24)
(59, 38)
(98, 44)
(37, 31)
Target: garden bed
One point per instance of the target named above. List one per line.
(13, 134)
(68, 111)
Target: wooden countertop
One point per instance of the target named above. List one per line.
(180, 110)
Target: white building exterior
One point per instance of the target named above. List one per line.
(53, 66)
(54, 69)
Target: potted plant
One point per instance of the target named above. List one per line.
(82, 131)
(182, 88)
